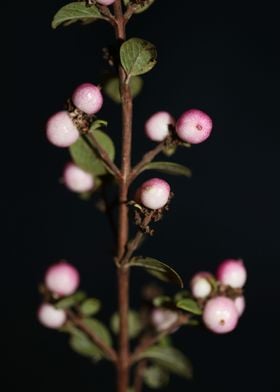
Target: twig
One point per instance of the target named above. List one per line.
(135, 242)
(139, 374)
(151, 340)
(78, 322)
(103, 155)
(147, 158)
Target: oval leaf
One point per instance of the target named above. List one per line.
(70, 301)
(82, 345)
(100, 329)
(87, 158)
(189, 305)
(90, 306)
(76, 11)
(112, 89)
(141, 7)
(169, 168)
(137, 56)
(156, 377)
(170, 359)
(134, 324)
(158, 269)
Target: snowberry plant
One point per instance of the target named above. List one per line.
(137, 343)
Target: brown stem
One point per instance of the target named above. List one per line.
(103, 155)
(147, 158)
(123, 223)
(135, 242)
(151, 340)
(139, 374)
(107, 350)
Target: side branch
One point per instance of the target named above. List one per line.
(103, 155)
(151, 340)
(78, 322)
(147, 158)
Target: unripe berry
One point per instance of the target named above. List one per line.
(200, 285)
(220, 315)
(240, 304)
(157, 126)
(163, 318)
(232, 273)
(76, 179)
(154, 193)
(106, 2)
(88, 98)
(62, 279)
(60, 130)
(194, 126)
(51, 317)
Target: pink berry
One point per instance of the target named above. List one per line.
(88, 98)
(232, 273)
(76, 179)
(194, 126)
(154, 193)
(240, 304)
(157, 126)
(200, 285)
(220, 315)
(106, 2)
(62, 278)
(163, 318)
(51, 317)
(61, 131)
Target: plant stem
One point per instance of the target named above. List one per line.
(139, 374)
(123, 223)
(107, 350)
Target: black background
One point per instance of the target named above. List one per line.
(223, 61)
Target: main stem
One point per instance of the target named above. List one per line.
(123, 223)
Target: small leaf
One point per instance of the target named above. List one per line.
(170, 359)
(87, 158)
(141, 7)
(156, 377)
(134, 324)
(72, 300)
(100, 329)
(111, 87)
(74, 12)
(158, 269)
(169, 150)
(90, 306)
(189, 305)
(137, 56)
(169, 168)
(162, 300)
(98, 124)
(182, 295)
(84, 346)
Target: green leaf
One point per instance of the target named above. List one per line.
(137, 56)
(170, 359)
(70, 301)
(140, 8)
(182, 295)
(80, 342)
(162, 300)
(74, 12)
(169, 168)
(189, 305)
(111, 87)
(156, 377)
(134, 324)
(98, 124)
(90, 306)
(82, 345)
(158, 269)
(87, 158)
(100, 329)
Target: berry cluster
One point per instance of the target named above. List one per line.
(61, 280)
(193, 126)
(221, 297)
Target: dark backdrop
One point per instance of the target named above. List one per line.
(225, 62)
